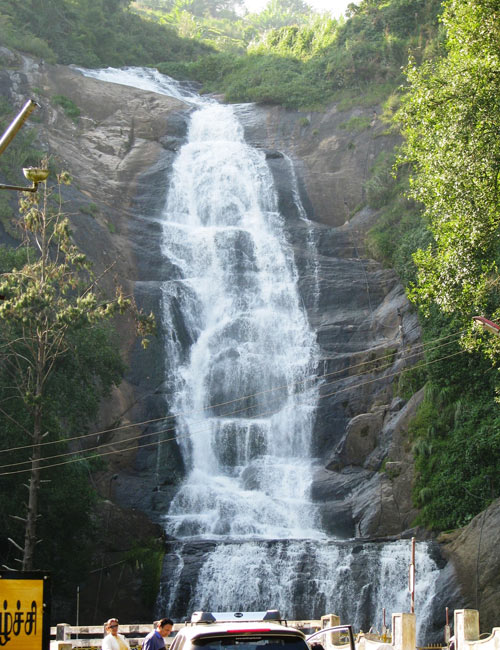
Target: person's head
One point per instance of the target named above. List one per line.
(111, 626)
(164, 626)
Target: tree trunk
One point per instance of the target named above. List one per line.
(30, 539)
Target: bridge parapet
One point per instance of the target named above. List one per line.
(467, 635)
(66, 637)
(403, 635)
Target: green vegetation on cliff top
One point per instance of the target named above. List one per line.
(286, 54)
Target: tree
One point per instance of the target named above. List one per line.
(450, 119)
(46, 304)
(279, 13)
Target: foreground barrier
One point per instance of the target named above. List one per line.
(403, 635)
(67, 637)
(466, 637)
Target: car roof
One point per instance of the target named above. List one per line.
(210, 623)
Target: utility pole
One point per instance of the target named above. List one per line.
(411, 581)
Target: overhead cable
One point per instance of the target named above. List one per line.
(237, 399)
(189, 435)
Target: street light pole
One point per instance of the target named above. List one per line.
(17, 123)
(33, 174)
(487, 324)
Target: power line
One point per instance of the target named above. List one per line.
(227, 403)
(189, 435)
(234, 412)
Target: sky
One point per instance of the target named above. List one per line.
(337, 7)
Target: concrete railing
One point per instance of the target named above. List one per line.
(66, 637)
(403, 635)
(467, 636)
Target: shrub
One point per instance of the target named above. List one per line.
(71, 110)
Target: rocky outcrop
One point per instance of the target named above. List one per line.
(475, 554)
(333, 151)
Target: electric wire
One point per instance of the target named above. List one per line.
(237, 399)
(154, 420)
(189, 435)
(234, 412)
(141, 436)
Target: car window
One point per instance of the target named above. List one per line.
(253, 642)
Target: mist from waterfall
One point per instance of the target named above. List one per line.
(241, 361)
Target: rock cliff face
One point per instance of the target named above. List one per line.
(119, 152)
(476, 558)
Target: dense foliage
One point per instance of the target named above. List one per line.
(72, 398)
(456, 433)
(446, 251)
(450, 121)
(58, 360)
(66, 498)
(90, 33)
(318, 59)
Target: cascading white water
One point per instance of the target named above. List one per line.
(353, 580)
(240, 381)
(247, 414)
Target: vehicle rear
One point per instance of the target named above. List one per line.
(239, 631)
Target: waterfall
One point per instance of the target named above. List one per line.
(243, 392)
(241, 360)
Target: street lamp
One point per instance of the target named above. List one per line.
(34, 174)
(488, 324)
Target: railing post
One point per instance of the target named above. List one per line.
(63, 632)
(447, 630)
(404, 635)
(466, 627)
(331, 638)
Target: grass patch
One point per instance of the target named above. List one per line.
(69, 107)
(356, 124)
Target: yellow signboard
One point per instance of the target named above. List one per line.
(24, 611)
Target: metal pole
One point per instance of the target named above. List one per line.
(77, 609)
(16, 124)
(384, 627)
(412, 577)
(19, 188)
(447, 631)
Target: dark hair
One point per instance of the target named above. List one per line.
(164, 621)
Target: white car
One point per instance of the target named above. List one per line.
(238, 631)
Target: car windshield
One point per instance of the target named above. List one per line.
(250, 642)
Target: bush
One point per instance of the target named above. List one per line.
(71, 110)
